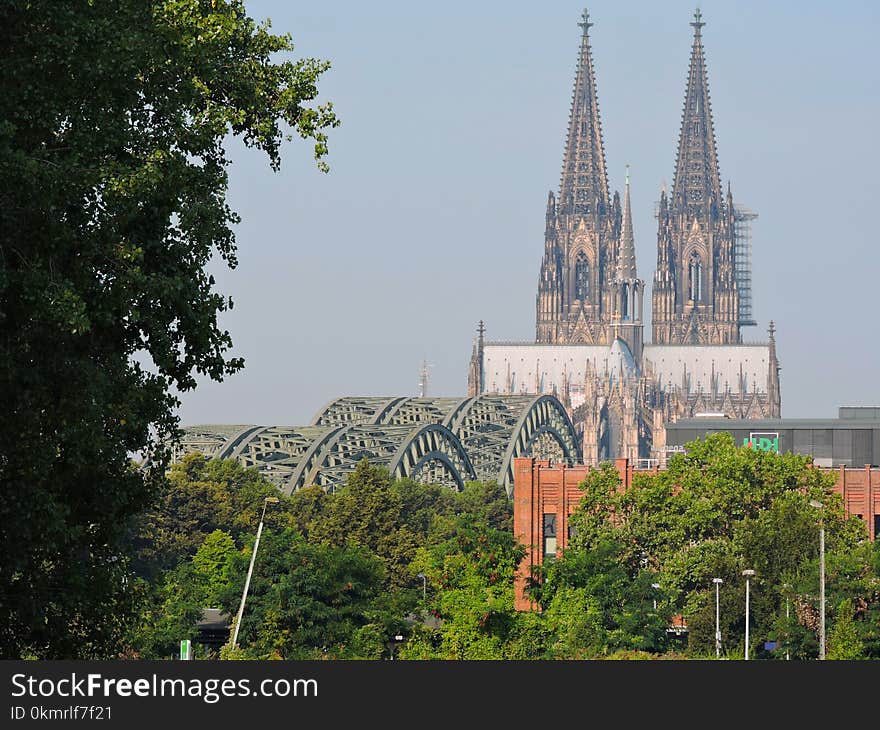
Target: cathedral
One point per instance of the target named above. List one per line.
(589, 347)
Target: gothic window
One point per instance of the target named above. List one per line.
(582, 277)
(624, 305)
(695, 278)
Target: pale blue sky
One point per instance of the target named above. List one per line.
(453, 122)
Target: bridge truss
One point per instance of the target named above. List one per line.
(444, 441)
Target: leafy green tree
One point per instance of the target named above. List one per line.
(716, 510)
(211, 567)
(595, 606)
(169, 611)
(172, 603)
(203, 495)
(485, 502)
(367, 512)
(844, 641)
(471, 566)
(113, 118)
(308, 600)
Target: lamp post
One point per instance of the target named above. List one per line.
(266, 502)
(787, 588)
(818, 505)
(717, 582)
(396, 639)
(424, 585)
(748, 573)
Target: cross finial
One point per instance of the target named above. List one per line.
(698, 23)
(585, 21)
(627, 175)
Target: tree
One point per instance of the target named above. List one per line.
(844, 641)
(716, 510)
(203, 495)
(595, 605)
(308, 600)
(367, 511)
(472, 566)
(113, 179)
(211, 567)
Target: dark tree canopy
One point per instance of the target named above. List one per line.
(113, 180)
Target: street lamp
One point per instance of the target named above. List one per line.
(266, 502)
(818, 505)
(787, 588)
(748, 573)
(717, 582)
(424, 584)
(396, 639)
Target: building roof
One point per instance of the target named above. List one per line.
(772, 424)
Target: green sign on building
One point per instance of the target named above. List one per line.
(763, 442)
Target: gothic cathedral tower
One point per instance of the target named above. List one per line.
(575, 295)
(695, 292)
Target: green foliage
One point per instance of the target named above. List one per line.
(112, 201)
(715, 511)
(844, 641)
(367, 512)
(307, 600)
(472, 567)
(211, 567)
(202, 496)
(170, 609)
(337, 574)
(594, 605)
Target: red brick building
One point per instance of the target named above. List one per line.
(545, 494)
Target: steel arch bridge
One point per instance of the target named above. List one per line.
(433, 440)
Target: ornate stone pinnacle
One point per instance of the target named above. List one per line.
(585, 21)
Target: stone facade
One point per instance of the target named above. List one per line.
(589, 347)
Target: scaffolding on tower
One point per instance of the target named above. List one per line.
(742, 262)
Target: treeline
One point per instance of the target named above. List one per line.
(341, 575)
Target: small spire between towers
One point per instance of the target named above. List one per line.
(626, 262)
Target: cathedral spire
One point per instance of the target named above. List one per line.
(697, 182)
(626, 262)
(584, 184)
(773, 391)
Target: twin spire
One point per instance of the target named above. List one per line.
(584, 184)
(697, 182)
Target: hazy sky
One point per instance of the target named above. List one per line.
(453, 123)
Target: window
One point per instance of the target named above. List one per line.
(624, 305)
(582, 277)
(549, 536)
(695, 278)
